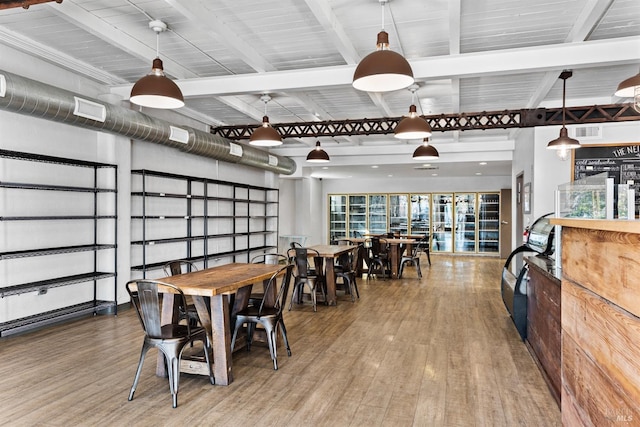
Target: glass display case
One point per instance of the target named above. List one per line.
(377, 213)
(398, 213)
(337, 216)
(489, 222)
(465, 222)
(357, 215)
(442, 223)
(420, 217)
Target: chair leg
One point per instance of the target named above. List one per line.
(428, 256)
(355, 286)
(417, 262)
(207, 349)
(283, 330)
(145, 348)
(271, 340)
(174, 378)
(239, 323)
(401, 269)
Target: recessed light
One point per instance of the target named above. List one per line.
(478, 173)
(483, 163)
(389, 175)
(325, 167)
(375, 167)
(434, 174)
(426, 165)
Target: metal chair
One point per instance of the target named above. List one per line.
(306, 276)
(181, 266)
(275, 259)
(269, 317)
(348, 272)
(379, 261)
(412, 258)
(170, 339)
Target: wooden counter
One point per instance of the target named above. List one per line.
(543, 321)
(600, 322)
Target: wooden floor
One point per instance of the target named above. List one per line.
(440, 351)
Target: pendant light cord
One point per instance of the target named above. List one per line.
(564, 89)
(382, 2)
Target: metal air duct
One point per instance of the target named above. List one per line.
(29, 97)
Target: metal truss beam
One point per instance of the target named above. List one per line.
(445, 122)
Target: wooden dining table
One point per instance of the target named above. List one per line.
(394, 246)
(219, 284)
(330, 253)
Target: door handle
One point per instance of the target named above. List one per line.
(504, 223)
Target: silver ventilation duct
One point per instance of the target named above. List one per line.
(29, 97)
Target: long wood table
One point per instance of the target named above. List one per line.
(217, 283)
(330, 253)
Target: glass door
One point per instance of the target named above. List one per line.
(442, 223)
(398, 213)
(337, 217)
(465, 223)
(377, 213)
(420, 217)
(489, 223)
(357, 215)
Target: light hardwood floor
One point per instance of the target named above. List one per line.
(440, 351)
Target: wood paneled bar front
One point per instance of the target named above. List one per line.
(600, 321)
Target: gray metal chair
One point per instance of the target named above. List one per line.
(275, 259)
(181, 266)
(412, 258)
(313, 278)
(349, 271)
(269, 317)
(379, 260)
(170, 339)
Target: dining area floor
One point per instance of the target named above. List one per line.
(436, 351)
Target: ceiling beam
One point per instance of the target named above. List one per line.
(598, 53)
(506, 119)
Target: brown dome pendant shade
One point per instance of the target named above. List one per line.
(412, 126)
(630, 88)
(564, 143)
(265, 135)
(155, 90)
(426, 152)
(383, 70)
(318, 155)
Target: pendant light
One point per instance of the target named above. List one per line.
(156, 90)
(383, 70)
(426, 151)
(630, 88)
(563, 143)
(412, 126)
(265, 135)
(318, 155)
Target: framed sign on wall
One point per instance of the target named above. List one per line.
(621, 162)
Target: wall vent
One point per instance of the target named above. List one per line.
(178, 135)
(273, 160)
(586, 132)
(235, 149)
(90, 110)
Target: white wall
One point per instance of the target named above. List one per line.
(24, 133)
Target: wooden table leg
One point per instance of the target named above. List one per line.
(394, 261)
(330, 277)
(221, 334)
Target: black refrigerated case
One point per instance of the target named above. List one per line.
(514, 286)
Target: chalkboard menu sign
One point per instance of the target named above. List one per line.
(620, 162)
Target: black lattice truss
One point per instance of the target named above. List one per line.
(445, 122)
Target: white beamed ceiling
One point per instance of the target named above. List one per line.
(467, 56)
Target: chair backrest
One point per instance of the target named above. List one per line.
(269, 259)
(378, 246)
(295, 244)
(283, 291)
(359, 255)
(179, 266)
(145, 296)
(301, 260)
